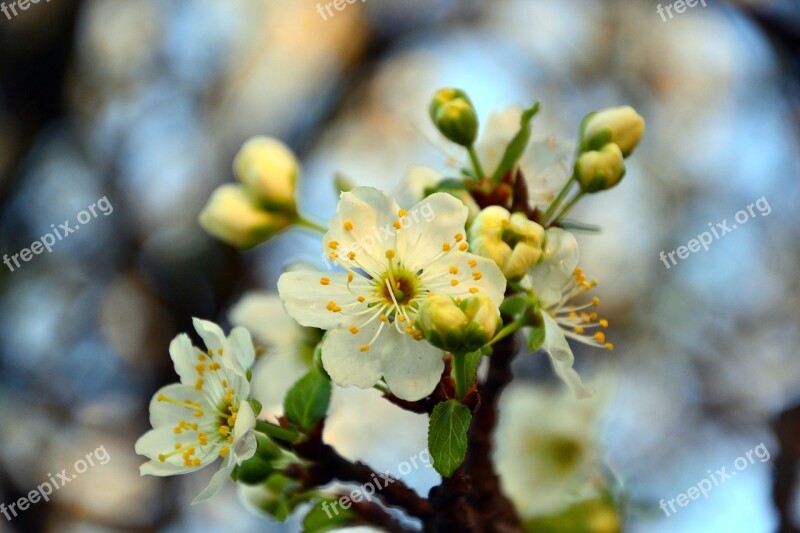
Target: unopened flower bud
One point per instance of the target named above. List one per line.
(511, 241)
(268, 170)
(484, 320)
(454, 116)
(259, 467)
(622, 126)
(598, 170)
(442, 323)
(231, 216)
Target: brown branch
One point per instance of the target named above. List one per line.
(327, 465)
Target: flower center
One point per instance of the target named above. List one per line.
(399, 287)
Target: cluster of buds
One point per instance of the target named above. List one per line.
(458, 327)
(511, 241)
(606, 138)
(262, 203)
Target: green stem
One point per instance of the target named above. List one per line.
(506, 331)
(310, 224)
(272, 430)
(569, 206)
(460, 374)
(476, 163)
(554, 205)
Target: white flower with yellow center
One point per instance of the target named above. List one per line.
(206, 415)
(393, 259)
(556, 280)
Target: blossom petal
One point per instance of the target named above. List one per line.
(168, 414)
(430, 224)
(412, 368)
(217, 481)
(212, 335)
(557, 347)
(363, 225)
(546, 165)
(438, 277)
(344, 361)
(307, 295)
(241, 343)
(263, 314)
(162, 441)
(559, 259)
(183, 358)
(244, 438)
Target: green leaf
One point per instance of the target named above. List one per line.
(473, 360)
(256, 405)
(536, 339)
(447, 436)
(327, 514)
(307, 401)
(574, 225)
(517, 145)
(514, 305)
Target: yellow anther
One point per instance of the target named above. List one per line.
(220, 351)
(579, 329)
(477, 275)
(578, 271)
(200, 367)
(203, 438)
(472, 263)
(198, 414)
(350, 277)
(232, 419)
(324, 281)
(453, 282)
(199, 384)
(402, 213)
(333, 256)
(401, 318)
(178, 445)
(225, 383)
(459, 237)
(224, 451)
(364, 347)
(463, 246)
(600, 337)
(161, 398)
(573, 314)
(353, 329)
(196, 461)
(224, 431)
(609, 346)
(348, 226)
(603, 323)
(351, 256)
(459, 300)
(384, 318)
(361, 299)
(215, 366)
(333, 245)
(390, 254)
(397, 224)
(454, 270)
(162, 457)
(201, 357)
(595, 301)
(592, 316)
(473, 290)
(446, 247)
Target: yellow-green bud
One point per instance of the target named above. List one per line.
(454, 116)
(511, 241)
(442, 323)
(598, 170)
(231, 216)
(622, 126)
(268, 170)
(484, 320)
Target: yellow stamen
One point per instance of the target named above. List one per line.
(364, 347)
(446, 247)
(324, 281)
(333, 245)
(604, 323)
(477, 275)
(463, 246)
(600, 337)
(454, 270)
(453, 282)
(353, 329)
(473, 290)
(459, 237)
(472, 263)
(348, 226)
(389, 254)
(402, 213)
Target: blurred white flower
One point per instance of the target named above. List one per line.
(206, 415)
(546, 448)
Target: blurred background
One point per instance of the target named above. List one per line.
(146, 102)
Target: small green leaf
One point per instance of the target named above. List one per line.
(536, 339)
(473, 360)
(325, 515)
(574, 225)
(256, 405)
(514, 305)
(447, 436)
(307, 401)
(517, 145)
